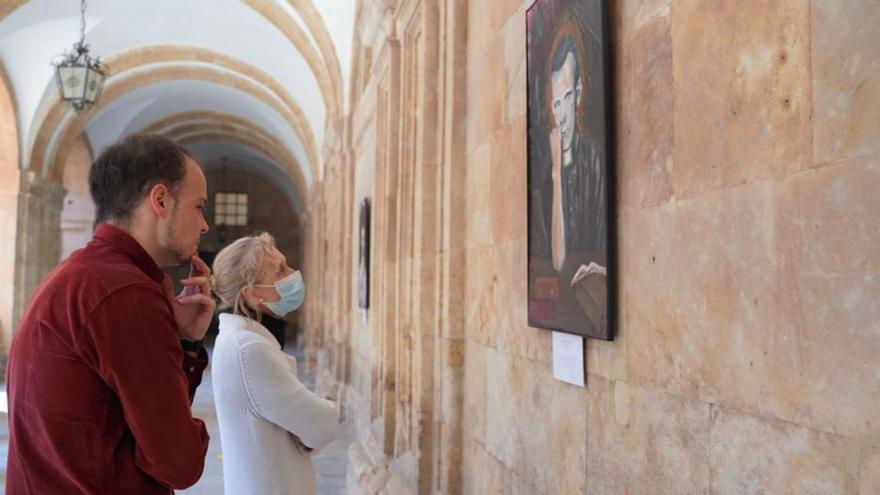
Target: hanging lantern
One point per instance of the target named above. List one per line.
(79, 77)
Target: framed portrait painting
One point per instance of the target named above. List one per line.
(363, 278)
(569, 168)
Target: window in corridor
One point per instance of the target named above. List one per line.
(230, 208)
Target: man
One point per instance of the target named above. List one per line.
(578, 215)
(572, 204)
(99, 383)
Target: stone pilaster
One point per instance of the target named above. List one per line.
(38, 239)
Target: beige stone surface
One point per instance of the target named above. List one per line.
(478, 197)
(514, 32)
(486, 19)
(530, 417)
(646, 165)
(751, 455)
(513, 334)
(846, 79)
(742, 99)
(701, 316)
(745, 354)
(775, 314)
(869, 470)
(486, 95)
(632, 15)
(664, 448)
(476, 373)
(507, 183)
(481, 314)
(489, 479)
(830, 266)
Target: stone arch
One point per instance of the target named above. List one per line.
(9, 154)
(186, 123)
(260, 167)
(211, 134)
(10, 181)
(187, 134)
(327, 73)
(196, 116)
(329, 84)
(125, 65)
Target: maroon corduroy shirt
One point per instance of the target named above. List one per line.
(99, 387)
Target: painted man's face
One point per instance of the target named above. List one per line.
(566, 94)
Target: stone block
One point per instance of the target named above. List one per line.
(508, 209)
(455, 288)
(775, 315)
(741, 103)
(752, 456)
(482, 473)
(514, 484)
(514, 33)
(830, 281)
(486, 92)
(478, 197)
(474, 409)
(485, 19)
(703, 318)
(534, 417)
(514, 335)
(869, 470)
(607, 469)
(663, 448)
(481, 323)
(646, 165)
(669, 443)
(633, 14)
(846, 79)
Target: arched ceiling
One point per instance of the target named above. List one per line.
(275, 64)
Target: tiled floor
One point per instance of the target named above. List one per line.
(330, 463)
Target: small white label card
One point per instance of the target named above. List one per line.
(568, 358)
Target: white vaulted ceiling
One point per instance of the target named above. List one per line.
(275, 70)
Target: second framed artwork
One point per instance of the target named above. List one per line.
(363, 279)
(570, 260)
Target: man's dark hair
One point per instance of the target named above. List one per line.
(126, 171)
(565, 46)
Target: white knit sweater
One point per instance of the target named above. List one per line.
(259, 403)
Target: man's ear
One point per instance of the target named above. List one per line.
(160, 198)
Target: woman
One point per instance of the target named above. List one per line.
(269, 421)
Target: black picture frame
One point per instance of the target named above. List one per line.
(364, 254)
(571, 208)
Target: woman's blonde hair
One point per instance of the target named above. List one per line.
(239, 265)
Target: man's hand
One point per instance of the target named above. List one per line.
(194, 307)
(585, 270)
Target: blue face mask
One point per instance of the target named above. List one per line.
(292, 290)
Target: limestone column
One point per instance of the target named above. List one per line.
(38, 240)
(10, 182)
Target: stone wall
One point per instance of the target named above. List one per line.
(748, 336)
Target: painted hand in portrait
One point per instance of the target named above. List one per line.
(568, 168)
